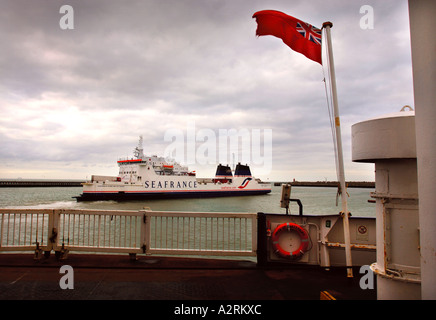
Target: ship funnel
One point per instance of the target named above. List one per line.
(242, 170)
(223, 171)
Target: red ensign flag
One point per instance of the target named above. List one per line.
(298, 35)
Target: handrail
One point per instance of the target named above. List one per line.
(211, 233)
(128, 231)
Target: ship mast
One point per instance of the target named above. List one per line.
(139, 151)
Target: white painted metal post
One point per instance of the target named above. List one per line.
(341, 174)
(422, 25)
(146, 232)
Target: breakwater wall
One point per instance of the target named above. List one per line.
(350, 184)
(39, 183)
(77, 183)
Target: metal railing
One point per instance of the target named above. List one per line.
(115, 231)
(99, 231)
(23, 229)
(224, 234)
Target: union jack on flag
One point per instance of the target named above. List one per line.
(297, 34)
(310, 32)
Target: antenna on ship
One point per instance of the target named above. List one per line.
(139, 151)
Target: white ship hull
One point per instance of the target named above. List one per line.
(162, 188)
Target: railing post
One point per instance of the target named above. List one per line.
(261, 239)
(60, 252)
(53, 229)
(145, 232)
(1, 229)
(37, 253)
(254, 233)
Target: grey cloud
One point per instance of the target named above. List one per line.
(141, 67)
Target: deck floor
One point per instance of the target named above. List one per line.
(116, 277)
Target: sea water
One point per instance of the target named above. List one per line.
(315, 201)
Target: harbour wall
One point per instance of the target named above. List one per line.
(77, 183)
(39, 183)
(350, 184)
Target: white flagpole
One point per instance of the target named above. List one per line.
(341, 174)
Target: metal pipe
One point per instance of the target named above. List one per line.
(300, 206)
(423, 42)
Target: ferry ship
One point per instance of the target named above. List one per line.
(153, 177)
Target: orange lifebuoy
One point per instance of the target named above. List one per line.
(304, 241)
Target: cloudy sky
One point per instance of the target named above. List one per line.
(74, 101)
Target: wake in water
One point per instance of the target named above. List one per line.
(49, 205)
(316, 201)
